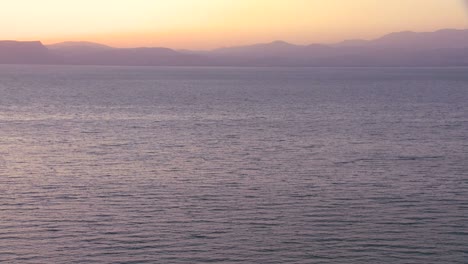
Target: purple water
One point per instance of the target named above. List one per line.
(233, 165)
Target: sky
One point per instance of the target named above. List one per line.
(207, 24)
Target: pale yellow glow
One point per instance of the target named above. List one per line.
(203, 24)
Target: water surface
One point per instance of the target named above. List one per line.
(233, 165)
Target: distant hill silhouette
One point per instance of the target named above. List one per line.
(77, 47)
(440, 48)
(442, 39)
(32, 52)
(84, 53)
(132, 57)
(447, 47)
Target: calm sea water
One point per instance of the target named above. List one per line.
(230, 165)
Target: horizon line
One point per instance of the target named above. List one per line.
(47, 43)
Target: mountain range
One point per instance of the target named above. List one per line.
(448, 47)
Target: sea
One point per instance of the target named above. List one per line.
(233, 165)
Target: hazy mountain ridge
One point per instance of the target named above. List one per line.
(442, 39)
(32, 52)
(441, 48)
(135, 57)
(78, 44)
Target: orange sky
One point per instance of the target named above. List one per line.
(205, 24)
